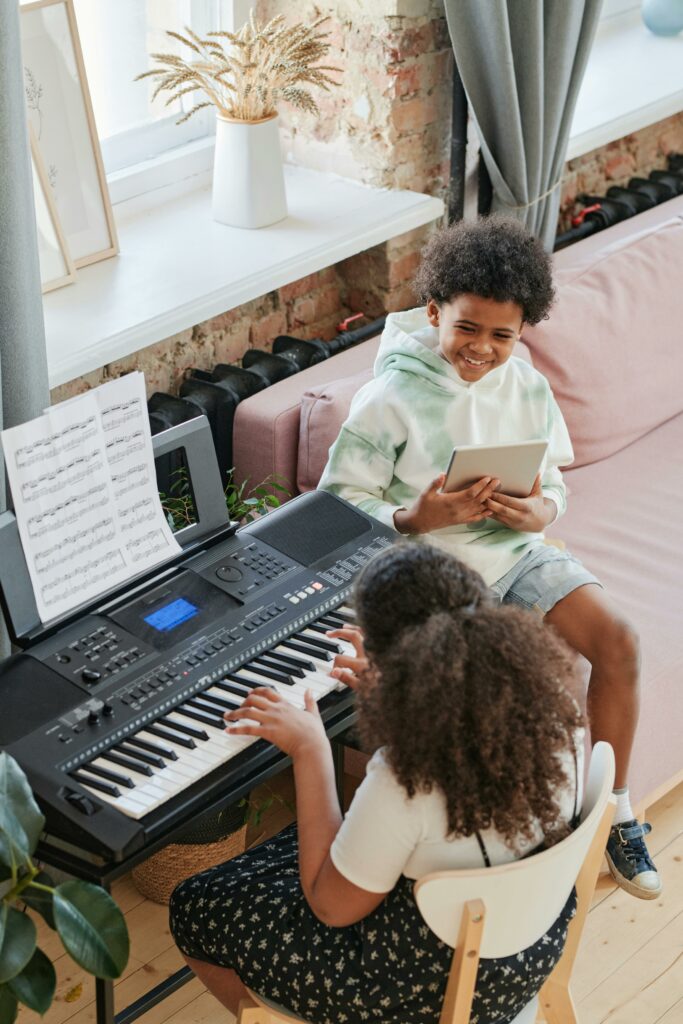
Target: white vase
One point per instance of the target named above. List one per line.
(248, 179)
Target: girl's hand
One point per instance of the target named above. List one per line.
(347, 668)
(272, 718)
(530, 515)
(435, 509)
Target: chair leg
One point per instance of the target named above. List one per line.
(462, 977)
(557, 1005)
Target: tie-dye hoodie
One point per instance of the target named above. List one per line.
(403, 425)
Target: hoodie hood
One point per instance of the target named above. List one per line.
(410, 343)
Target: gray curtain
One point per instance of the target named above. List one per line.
(23, 364)
(521, 63)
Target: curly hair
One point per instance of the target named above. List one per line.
(464, 695)
(495, 258)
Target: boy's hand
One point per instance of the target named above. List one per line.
(347, 668)
(528, 515)
(270, 717)
(435, 509)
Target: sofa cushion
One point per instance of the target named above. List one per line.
(611, 348)
(621, 520)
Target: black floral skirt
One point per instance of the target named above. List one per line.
(250, 914)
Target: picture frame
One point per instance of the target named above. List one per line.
(56, 266)
(61, 116)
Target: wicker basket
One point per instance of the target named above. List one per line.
(212, 840)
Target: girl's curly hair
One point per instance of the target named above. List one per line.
(463, 694)
(495, 258)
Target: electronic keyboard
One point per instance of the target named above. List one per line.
(117, 717)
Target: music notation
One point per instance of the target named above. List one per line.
(85, 495)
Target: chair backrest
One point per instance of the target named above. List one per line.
(524, 898)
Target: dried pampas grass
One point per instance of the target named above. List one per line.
(263, 65)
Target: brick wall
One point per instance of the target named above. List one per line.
(386, 124)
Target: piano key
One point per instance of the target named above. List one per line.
(190, 711)
(239, 690)
(289, 659)
(309, 637)
(189, 730)
(164, 734)
(186, 756)
(317, 627)
(270, 673)
(308, 649)
(346, 613)
(286, 689)
(332, 621)
(153, 748)
(277, 663)
(219, 699)
(104, 772)
(124, 761)
(140, 755)
(205, 705)
(93, 783)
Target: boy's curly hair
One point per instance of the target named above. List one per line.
(494, 257)
(464, 695)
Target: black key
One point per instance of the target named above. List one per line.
(332, 621)
(274, 661)
(205, 704)
(89, 780)
(198, 716)
(291, 659)
(127, 762)
(317, 627)
(314, 641)
(220, 701)
(174, 737)
(140, 755)
(189, 730)
(154, 748)
(115, 777)
(269, 673)
(312, 652)
(239, 689)
(346, 619)
(251, 684)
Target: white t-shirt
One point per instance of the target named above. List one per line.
(386, 834)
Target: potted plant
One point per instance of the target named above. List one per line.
(245, 76)
(90, 925)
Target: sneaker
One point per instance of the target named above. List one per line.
(629, 862)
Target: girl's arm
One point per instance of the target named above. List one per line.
(331, 897)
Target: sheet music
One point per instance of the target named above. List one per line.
(85, 495)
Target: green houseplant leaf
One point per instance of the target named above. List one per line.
(35, 985)
(18, 944)
(8, 1006)
(92, 928)
(39, 900)
(18, 808)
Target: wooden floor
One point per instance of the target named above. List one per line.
(629, 970)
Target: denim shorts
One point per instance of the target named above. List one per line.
(541, 578)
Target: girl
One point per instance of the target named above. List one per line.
(477, 760)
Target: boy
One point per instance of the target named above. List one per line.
(445, 375)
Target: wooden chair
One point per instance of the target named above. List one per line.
(517, 902)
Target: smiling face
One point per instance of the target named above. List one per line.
(475, 335)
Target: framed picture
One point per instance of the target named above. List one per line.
(56, 265)
(61, 118)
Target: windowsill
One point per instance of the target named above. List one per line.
(177, 267)
(633, 79)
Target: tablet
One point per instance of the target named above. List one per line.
(516, 465)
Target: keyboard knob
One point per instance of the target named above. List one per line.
(107, 710)
(229, 573)
(90, 675)
(93, 717)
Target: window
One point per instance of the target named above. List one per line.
(117, 37)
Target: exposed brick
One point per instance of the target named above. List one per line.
(263, 331)
(413, 115)
(302, 312)
(403, 269)
(307, 284)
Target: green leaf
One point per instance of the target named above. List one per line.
(39, 900)
(35, 986)
(92, 928)
(8, 1006)
(18, 944)
(20, 819)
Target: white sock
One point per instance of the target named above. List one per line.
(624, 811)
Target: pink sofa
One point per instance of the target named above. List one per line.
(613, 352)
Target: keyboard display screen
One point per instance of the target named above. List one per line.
(171, 615)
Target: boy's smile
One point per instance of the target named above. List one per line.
(475, 334)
